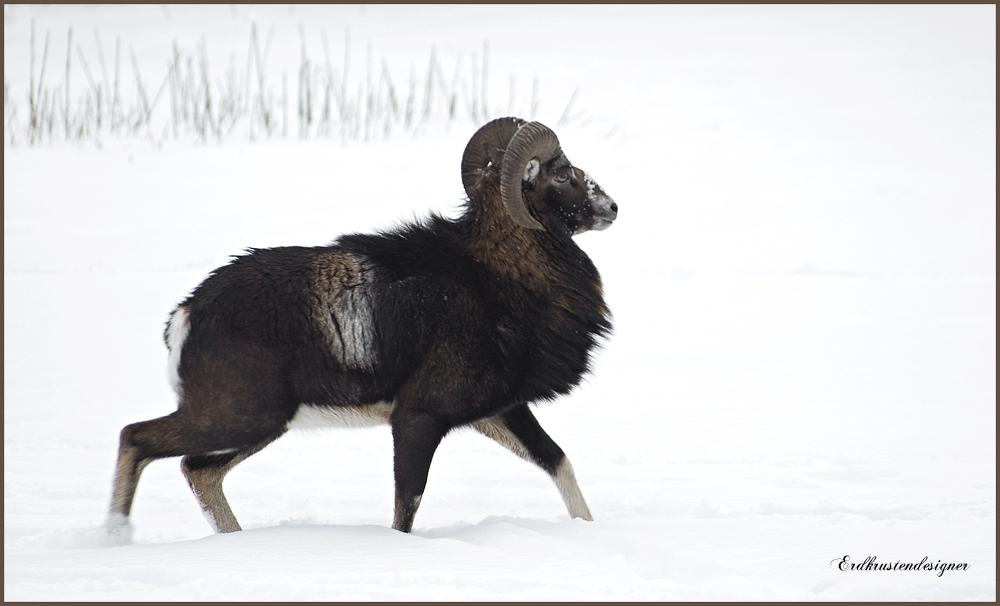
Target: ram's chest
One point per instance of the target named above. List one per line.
(560, 348)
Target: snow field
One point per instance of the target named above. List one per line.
(802, 277)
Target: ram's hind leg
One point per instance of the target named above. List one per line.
(204, 474)
(210, 449)
(140, 444)
(519, 431)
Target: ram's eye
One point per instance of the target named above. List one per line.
(562, 177)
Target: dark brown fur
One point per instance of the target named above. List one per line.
(448, 322)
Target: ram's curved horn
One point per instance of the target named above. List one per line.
(491, 136)
(533, 140)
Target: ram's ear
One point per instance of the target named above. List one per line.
(531, 170)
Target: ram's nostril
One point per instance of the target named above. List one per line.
(614, 207)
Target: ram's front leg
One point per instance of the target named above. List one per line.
(519, 431)
(415, 437)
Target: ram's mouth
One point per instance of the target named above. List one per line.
(597, 223)
(602, 224)
(606, 211)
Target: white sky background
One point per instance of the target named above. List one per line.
(802, 277)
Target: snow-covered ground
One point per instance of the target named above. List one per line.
(802, 274)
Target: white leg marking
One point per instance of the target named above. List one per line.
(116, 519)
(564, 477)
(209, 516)
(118, 529)
(565, 480)
(206, 484)
(310, 416)
(177, 332)
(125, 483)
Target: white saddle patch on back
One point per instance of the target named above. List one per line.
(347, 317)
(357, 328)
(310, 416)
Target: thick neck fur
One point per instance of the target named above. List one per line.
(530, 257)
(562, 297)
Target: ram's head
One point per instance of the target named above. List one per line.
(536, 178)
